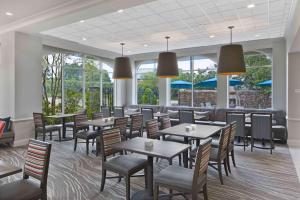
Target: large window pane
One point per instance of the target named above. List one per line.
(107, 85)
(73, 83)
(253, 92)
(51, 82)
(147, 90)
(181, 86)
(205, 82)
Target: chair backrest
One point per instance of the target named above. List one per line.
(147, 115)
(118, 112)
(165, 122)
(136, 123)
(202, 160)
(223, 142)
(239, 118)
(186, 116)
(108, 138)
(121, 123)
(207, 104)
(83, 111)
(233, 128)
(38, 119)
(78, 119)
(152, 129)
(105, 111)
(261, 125)
(97, 115)
(37, 161)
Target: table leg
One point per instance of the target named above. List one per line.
(64, 131)
(185, 154)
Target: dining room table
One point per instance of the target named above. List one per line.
(158, 115)
(62, 118)
(185, 130)
(159, 149)
(7, 169)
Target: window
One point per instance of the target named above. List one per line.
(254, 88)
(147, 81)
(205, 82)
(86, 83)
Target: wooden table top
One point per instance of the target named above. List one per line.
(61, 116)
(100, 122)
(160, 149)
(201, 131)
(8, 169)
(158, 115)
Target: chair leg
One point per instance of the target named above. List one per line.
(244, 143)
(228, 163)
(220, 172)
(146, 178)
(156, 190)
(35, 135)
(127, 180)
(59, 135)
(93, 142)
(233, 158)
(44, 136)
(75, 143)
(205, 192)
(179, 157)
(87, 146)
(103, 180)
(225, 166)
(120, 178)
(50, 135)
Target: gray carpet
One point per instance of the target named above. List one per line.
(75, 176)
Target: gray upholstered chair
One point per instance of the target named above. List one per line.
(121, 123)
(239, 118)
(219, 155)
(136, 126)
(70, 124)
(81, 132)
(261, 129)
(105, 111)
(230, 150)
(118, 112)
(96, 115)
(186, 116)
(124, 165)
(36, 166)
(184, 180)
(147, 115)
(165, 122)
(41, 127)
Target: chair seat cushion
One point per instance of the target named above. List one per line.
(69, 124)
(213, 154)
(87, 134)
(20, 190)
(125, 164)
(278, 128)
(174, 138)
(177, 177)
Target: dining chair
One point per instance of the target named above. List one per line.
(152, 128)
(41, 127)
(82, 133)
(136, 126)
(218, 155)
(261, 129)
(70, 124)
(238, 117)
(121, 123)
(118, 111)
(36, 166)
(185, 180)
(186, 116)
(106, 111)
(124, 165)
(230, 151)
(147, 115)
(96, 115)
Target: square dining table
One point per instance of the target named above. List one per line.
(200, 132)
(63, 118)
(160, 149)
(7, 169)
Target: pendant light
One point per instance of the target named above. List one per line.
(122, 68)
(231, 58)
(167, 63)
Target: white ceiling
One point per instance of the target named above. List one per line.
(190, 23)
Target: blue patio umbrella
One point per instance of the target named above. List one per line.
(267, 83)
(181, 84)
(212, 83)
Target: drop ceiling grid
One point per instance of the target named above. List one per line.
(188, 22)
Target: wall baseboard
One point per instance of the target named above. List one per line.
(21, 142)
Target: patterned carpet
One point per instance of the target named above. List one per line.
(75, 176)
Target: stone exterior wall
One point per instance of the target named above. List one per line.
(200, 96)
(254, 99)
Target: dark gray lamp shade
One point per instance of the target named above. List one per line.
(122, 68)
(167, 65)
(231, 60)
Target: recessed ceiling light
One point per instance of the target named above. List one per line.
(212, 36)
(9, 14)
(120, 11)
(251, 6)
(145, 45)
(84, 39)
(81, 21)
